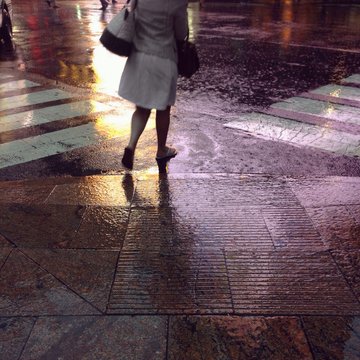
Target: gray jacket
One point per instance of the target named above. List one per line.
(159, 23)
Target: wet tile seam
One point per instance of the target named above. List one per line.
(28, 337)
(237, 313)
(307, 337)
(119, 255)
(14, 245)
(6, 259)
(59, 280)
(344, 277)
(174, 315)
(309, 217)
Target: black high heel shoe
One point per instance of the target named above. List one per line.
(128, 158)
(163, 160)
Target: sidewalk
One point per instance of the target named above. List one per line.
(189, 266)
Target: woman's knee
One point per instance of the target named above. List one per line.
(163, 112)
(143, 112)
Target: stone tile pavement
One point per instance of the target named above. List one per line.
(183, 266)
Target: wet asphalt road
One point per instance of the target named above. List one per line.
(251, 57)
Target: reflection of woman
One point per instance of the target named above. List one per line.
(150, 74)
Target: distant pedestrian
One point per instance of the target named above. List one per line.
(106, 3)
(51, 3)
(150, 74)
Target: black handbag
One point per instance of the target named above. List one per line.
(118, 35)
(188, 59)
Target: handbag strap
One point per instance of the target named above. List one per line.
(135, 4)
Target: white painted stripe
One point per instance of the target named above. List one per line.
(5, 76)
(339, 91)
(57, 142)
(355, 79)
(39, 97)
(16, 85)
(341, 113)
(51, 113)
(297, 133)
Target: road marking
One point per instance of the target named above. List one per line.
(324, 124)
(339, 91)
(35, 98)
(16, 85)
(108, 125)
(341, 113)
(297, 133)
(6, 76)
(353, 79)
(51, 113)
(57, 142)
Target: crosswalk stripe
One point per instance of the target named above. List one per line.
(34, 98)
(57, 142)
(339, 91)
(17, 85)
(341, 113)
(6, 76)
(327, 118)
(353, 79)
(297, 133)
(50, 113)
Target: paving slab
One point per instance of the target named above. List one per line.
(355, 211)
(106, 191)
(348, 261)
(336, 226)
(288, 282)
(4, 253)
(88, 273)
(14, 332)
(151, 282)
(28, 290)
(40, 225)
(231, 337)
(102, 227)
(97, 337)
(233, 265)
(4, 242)
(25, 193)
(333, 337)
(326, 191)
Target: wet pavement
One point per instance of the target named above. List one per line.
(248, 248)
(127, 267)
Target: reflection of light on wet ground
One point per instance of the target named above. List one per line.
(330, 108)
(108, 69)
(112, 125)
(78, 11)
(76, 72)
(287, 18)
(335, 93)
(194, 20)
(118, 124)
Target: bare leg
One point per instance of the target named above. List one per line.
(138, 123)
(162, 129)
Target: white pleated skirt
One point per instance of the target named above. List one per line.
(149, 81)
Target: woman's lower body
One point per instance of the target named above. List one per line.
(149, 82)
